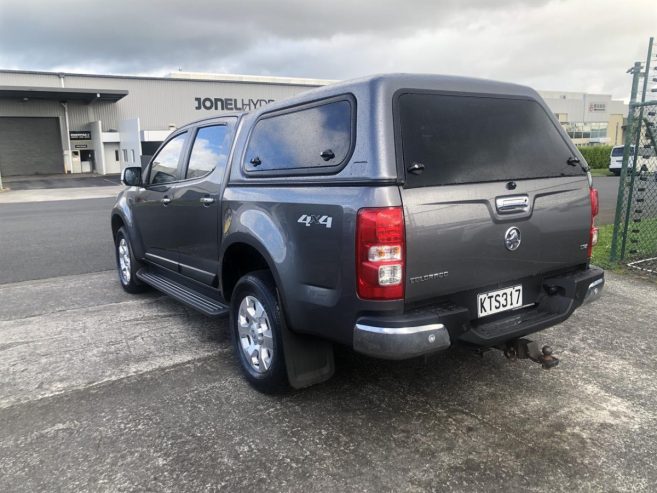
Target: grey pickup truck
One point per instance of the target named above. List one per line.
(397, 214)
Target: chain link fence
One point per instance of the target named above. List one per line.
(635, 228)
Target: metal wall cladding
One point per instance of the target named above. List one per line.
(10, 78)
(158, 102)
(32, 107)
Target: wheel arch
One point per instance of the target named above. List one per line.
(121, 216)
(117, 222)
(241, 256)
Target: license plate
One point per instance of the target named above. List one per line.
(499, 301)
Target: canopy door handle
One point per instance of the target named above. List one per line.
(509, 205)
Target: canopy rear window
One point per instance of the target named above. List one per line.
(469, 139)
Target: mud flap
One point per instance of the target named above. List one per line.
(309, 360)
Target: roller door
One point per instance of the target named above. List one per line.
(30, 146)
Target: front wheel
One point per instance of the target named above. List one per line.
(255, 320)
(126, 263)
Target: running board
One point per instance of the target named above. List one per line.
(202, 303)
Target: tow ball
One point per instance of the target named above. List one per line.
(526, 349)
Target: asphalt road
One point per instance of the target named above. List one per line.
(103, 391)
(607, 193)
(39, 240)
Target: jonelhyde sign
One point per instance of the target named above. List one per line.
(229, 104)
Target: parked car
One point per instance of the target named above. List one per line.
(616, 159)
(397, 215)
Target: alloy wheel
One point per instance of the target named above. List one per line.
(124, 261)
(255, 334)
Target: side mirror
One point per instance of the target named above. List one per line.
(131, 176)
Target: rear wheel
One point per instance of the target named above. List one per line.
(126, 264)
(255, 319)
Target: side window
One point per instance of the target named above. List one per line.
(164, 167)
(318, 137)
(210, 151)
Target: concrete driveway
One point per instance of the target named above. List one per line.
(103, 391)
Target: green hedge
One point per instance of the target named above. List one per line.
(596, 156)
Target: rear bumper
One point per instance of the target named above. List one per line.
(402, 342)
(436, 328)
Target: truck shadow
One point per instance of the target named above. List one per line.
(441, 371)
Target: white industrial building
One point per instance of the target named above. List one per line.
(588, 118)
(76, 123)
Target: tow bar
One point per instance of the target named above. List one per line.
(526, 349)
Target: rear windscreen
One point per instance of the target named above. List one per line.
(469, 139)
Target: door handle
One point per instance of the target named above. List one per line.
(518, 203)
(207, 200)
(165, 200)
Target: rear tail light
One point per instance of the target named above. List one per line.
(595, 204)
(380, 253)
(595, 208)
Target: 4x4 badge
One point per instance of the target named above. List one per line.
(512, 239)
(309, 219)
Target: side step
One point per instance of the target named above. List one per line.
(202, 303)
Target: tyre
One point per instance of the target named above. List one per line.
(126, 264)
(255, 321)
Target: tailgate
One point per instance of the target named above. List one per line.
(491, 193)
(456, 239)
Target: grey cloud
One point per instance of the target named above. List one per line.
(132, 35)
(556, 44)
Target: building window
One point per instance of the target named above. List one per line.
(588, 130)
(116, 155)
(599, 130)
(125, 155)
(132, 154)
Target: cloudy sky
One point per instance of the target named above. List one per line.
(579, 45)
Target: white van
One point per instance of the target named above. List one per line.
(616, 159)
